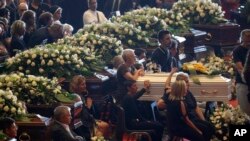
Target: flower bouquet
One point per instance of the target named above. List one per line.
(225, 115)
(216, 65)
(10, 105)
(173, 21)
(130, 36)
(98, 45)
(200, 11)
(32, 89)
(54, 61)
(150, 24)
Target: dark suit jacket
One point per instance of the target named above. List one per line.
(59, 133)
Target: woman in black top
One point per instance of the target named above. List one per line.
(17, 31)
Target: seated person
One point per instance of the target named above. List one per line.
(194, 112)
(59, 128)
(89, 110)
(126, 71)
(134, 120)
(9, 128)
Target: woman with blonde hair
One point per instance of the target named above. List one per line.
(18, 29)
(179, 123)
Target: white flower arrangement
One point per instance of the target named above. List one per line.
(216, 65)
(148, 23)
(31, 89)
(200, 11)
(225, 115)
(130, 36)
(174, 22)
(10, 105)
(53, 61)
(98, 45)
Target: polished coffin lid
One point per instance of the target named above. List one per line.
(211, 88)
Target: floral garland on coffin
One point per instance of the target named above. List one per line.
(174, 22)
(129, 35)
(32, 89)
(10, 106)
(54, 61)
(200, 11)
(99, 45)
(150, 24)
(225, 115)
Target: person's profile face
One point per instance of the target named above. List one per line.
(166, 40)
(133, 89)
(82, 87)
(12, 131)
(66, 118)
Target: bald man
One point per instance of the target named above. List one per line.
(22, 7)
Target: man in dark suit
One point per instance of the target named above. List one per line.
(60, 130)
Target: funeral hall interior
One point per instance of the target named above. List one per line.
(124, 70)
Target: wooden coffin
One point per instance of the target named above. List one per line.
(222, 34)
(215, 88)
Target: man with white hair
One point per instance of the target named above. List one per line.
(60, 130)
(127, 71)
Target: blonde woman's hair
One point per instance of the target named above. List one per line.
(75, 81)
(17, 27)
(178, 90)
(181, 76)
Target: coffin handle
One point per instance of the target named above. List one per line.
(204, 92)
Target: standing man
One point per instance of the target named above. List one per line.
(239, 57)
(92, 16)
(162, 55)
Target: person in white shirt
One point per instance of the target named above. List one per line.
(92, 16)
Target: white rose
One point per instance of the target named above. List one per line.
(20, 68)
(131, 32)
(45, 55)
(1, 84)
(33, 56)
(126, 30)
(41, 70)
(26, 55)
(43, 62)
(8, 96)
(67, 56)
(19, 112)
(139, 37)
(48, 87)
(13, 110)
(34, 83)
(94, 42)
(9, 84)
(50, 63)
(33, 64)
(6, 108)
(130, 42)
(27, 71)
(58, 60)
(28, 61)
